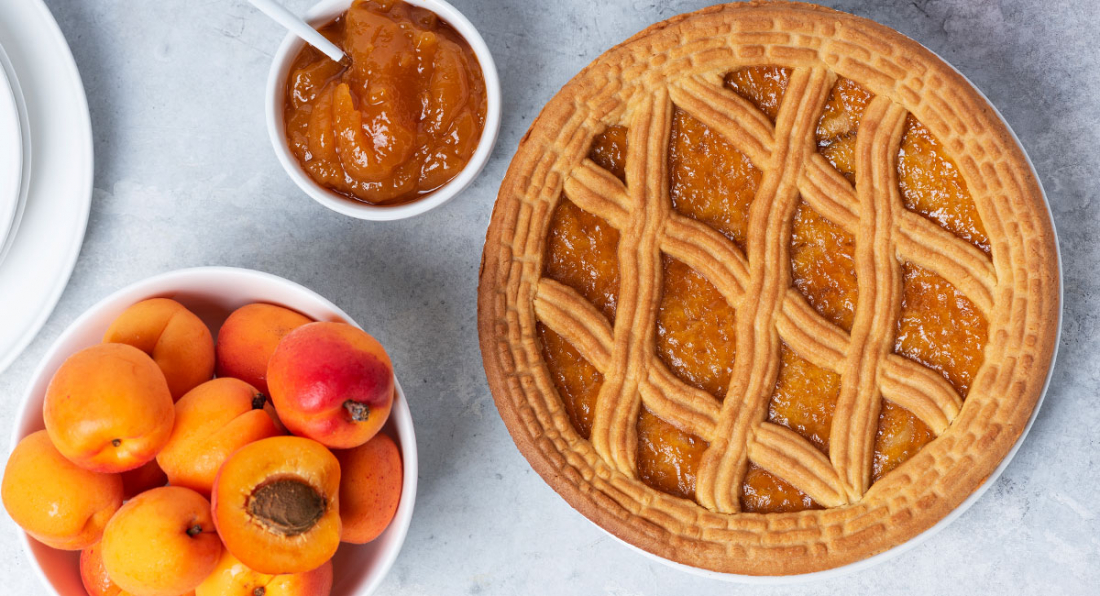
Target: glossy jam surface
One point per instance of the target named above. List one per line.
(932, 185)
(763, 86)
(667, 456)
(764, 492)
(577, 381)
(582, 253)
(804, 398)
(609, 151)
(400, 119)
(711, 181)
(900, 436)
(695, 329)
(836, 131)
(940, 328)
(823, 266)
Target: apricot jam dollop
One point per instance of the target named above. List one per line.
(399, 117)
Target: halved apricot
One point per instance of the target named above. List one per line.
(108, 408)
(233, 578)
(333, 383)
(177, 340)
(277, 505)
(57, 502)
(248, 338)
(161, 543)
(212, 421)
(370, 488)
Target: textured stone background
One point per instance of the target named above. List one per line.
(185, 176)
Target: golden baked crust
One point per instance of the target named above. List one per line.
(681, 61)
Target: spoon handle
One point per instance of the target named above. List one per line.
(298, 27)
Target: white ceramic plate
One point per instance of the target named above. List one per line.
(59, 193)
(11, 155)
(213, 293)
(973, 498)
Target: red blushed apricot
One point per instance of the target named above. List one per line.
(139, 480)
(212, 421)
(161, 543)
(333, 383)
(57, 502)
(178, 341)
(233, 578)
(370, 488)
(277, 505)
(248, 338)
(108, 408)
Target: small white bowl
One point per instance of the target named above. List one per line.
(323, 13)
(212, 293)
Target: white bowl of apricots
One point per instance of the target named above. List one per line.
(215, 432)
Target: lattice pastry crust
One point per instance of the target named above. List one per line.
(680, 62)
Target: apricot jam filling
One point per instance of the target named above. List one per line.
(836, 131)
(582, 253)
(710, 180)
(940, 327)
(931, 185)
(899, 437)
(804, 398)
(823, 266)
(762, 86)
(695, 329)
(577, 381)
(399, 118)
(609, 151)
(764, 492)
(667, 456)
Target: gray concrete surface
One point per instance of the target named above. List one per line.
(185, 176)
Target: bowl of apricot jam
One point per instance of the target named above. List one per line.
(402, 124)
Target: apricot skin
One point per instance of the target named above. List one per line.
(255, 542)
(177, 340)
(94, 575)
(249, 337)
(161, 543)
(212, 421)
(370, 488)
(139, 480)
(108, 408)
(323, 375)
(55, 501)
(233, 578)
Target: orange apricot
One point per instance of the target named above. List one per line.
(248, 338)
(177, 340)
(161, 543)
(94, 575)
(333, 383)
(108, 408)
(370, 488)
(139, 480)
(55, 501)
(233, 578)
(277, 505)
(212, 421)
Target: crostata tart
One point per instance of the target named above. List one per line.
(768, 289)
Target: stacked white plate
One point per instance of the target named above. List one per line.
(44, 122)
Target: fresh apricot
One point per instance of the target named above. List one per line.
(139, 480)
(161, 543)
(277, 505)
(108, 408)
(57, 502)
(249, 337)
(177, 340)
(233, 578)
(333, 383)
(370, 488)
(94, 575)
(212, 421)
